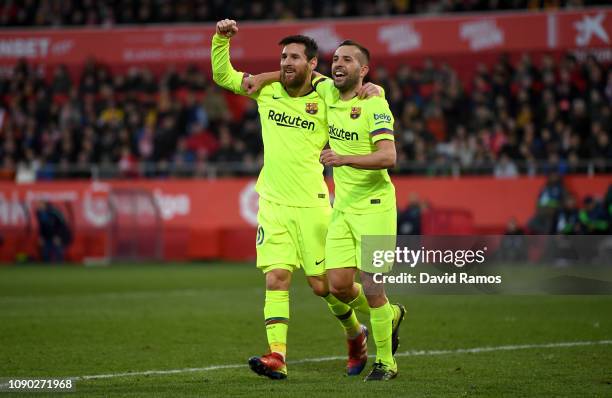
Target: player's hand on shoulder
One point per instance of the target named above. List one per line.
(369, 90)
(252, 84)
(330, 158)
(227, 28)
(247, 83)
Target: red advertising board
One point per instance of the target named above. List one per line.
(406, 37)
(217, 219)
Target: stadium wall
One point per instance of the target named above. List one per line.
(391, 40)
(204, 219)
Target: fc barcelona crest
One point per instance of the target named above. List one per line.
(312, 107)
(355, 112)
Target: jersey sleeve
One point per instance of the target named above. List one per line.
(324, 86)
(224, 73)
(380, 119)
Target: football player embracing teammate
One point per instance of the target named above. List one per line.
(362, 148)
(294, 208)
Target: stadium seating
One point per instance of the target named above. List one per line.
(507, 119)
(112, 12)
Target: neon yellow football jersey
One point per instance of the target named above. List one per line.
(294, 131)
(354, 128)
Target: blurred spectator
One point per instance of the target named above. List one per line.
(594, 217)
(551, 197)
(608, 202)
(513, 246)
(202, 140)
(128, 167)
(7, 170)
(53, 231)
(409, 219)
(566, 220)
(215, 104)
(505, 167)
(553, 193)
(183, 160)
(61, 84)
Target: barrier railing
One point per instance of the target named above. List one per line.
(214, 170)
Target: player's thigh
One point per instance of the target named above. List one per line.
(311, 230)
(374, 231)
(340, 243)
(275, 247)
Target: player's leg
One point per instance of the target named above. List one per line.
(314, 245)
(381, 319)
(344, 290)
(341, 264)
(311, 226)
(276, 309)
(311, 231)
(342, 311)
(342, 285)
(276, 257)
(385, 318)
(356, 333)
(276, 318)
(339, 252)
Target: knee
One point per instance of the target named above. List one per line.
(341, 289)
(319, 286)
(320, 290)
(280, 280)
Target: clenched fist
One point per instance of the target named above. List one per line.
(227, 27)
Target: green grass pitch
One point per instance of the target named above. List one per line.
(77, 321)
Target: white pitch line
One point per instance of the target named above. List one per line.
(474, 350)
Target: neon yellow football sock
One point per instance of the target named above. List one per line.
(360, 303)
(381, 319)
(276, 314)
(345, 315)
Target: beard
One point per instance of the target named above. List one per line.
(297, 80)
(348, 83)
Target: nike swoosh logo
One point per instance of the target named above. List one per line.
(275, 97)
(319, 262)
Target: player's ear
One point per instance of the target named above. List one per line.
(313, 63)
(364, 70)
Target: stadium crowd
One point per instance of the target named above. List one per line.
(558, 212)
(509, 119)
(112, 12)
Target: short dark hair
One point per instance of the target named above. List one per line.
(311, 49)
(364, 51)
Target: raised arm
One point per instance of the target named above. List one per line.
(224, 73)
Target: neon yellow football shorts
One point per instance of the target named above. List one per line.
(291, 237)
(344, 236)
